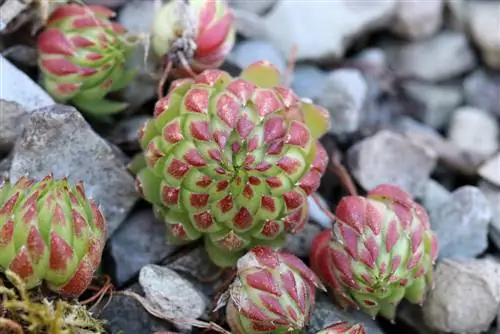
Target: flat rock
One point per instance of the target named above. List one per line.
(484, 18)
(125, 315)
(257, 7)
(325, 313)
(492, 193)
(309, 81)
(481, 90)
(461, 223)
(442, 57)
(344, 95)
(300, 243)
(58, 140)
(490, 170)
(251, 51)
(464, 298)
(11, 114)
(418, 19)
(16, 86)
(475, 131)
(143, 233)
(388, 157)
(323, 30)
(172, 294)
(436, 101)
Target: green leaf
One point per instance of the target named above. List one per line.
(99, 108)
(262, 74)
(316, 118)
(124, 80)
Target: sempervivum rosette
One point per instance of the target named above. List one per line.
(198, 33)
(380, 250)
(82, 56)
(232, 160)
(50, 232)
(274, 292)
(343, 327)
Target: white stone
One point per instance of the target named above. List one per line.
(474, 130)
(417, 19)
(250, 51)
(16, 86)
(490, 170)
(324, 29)
(484, 23)
(254, 6)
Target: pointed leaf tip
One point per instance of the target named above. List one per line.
(316, 118)
(262, 73)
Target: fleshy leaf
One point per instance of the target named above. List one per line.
(262, 74)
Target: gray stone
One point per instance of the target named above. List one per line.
(5, 167)
(126, 132)
(325, 313)
(257, 7)
(434, 59)
(435, 196)
(308, 81)
(418, 19)
(474, 130)
(388, 157)
(250, 51)
(316, 213)
(437, 102)
(143, 87)
(125, 315)
(484, 18)
(373, 60)
(490, 170)
(25, 55)
(58, 140)
(464, 298)
(412, 316)
(481, 90)
(146, 236)
(344, 95)
(172, 294)
(300, 243)
(461, 223)
(11, 115)
(249, 24)
(16, 86)
(492, 193)
(323, 30)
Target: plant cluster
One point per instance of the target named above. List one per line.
(228, 160)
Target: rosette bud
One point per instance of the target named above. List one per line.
(50, 232)
(380, 250)
(343, 327)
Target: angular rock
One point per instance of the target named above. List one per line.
(323, 30)
(172, 294)
(139, 241)
(490, 170)
(461, 223)
(17, 87)
(436, 102)
(325, 313)
(435, 196)
(126, 132)
(492, 193)
(300, 242)
(464, 298)
(388, 157)
(309, 81)
(373, 60)
(484, 18)
(125, 315)
(316, 213)
(257, 7)
(57, 139)
(249, 24)
(11, 114)
(418, 19)
(481, 90)
(434, 59)
(250, 51)
(143, 87)
(474, 130)
(344, 95)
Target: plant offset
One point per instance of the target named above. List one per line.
(248, 167)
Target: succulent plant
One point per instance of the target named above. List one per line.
(50, 232)
(343, 327)
(232, 160)
(82, 57)
(274, 292)
(198, 33)
(380, 250)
